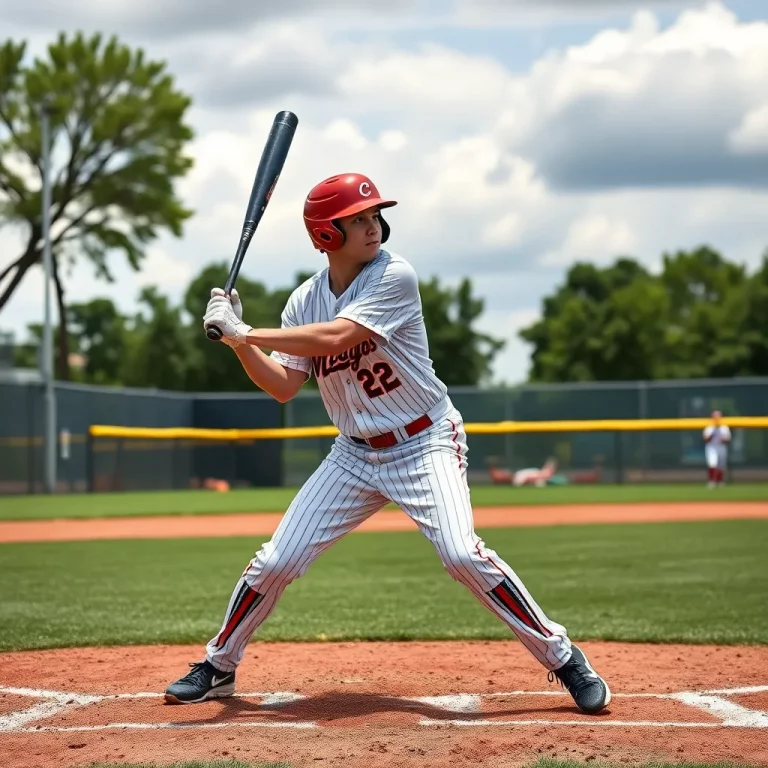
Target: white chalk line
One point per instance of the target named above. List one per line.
(592, 723)
(737, 691)
(728, 713)
(54, 703)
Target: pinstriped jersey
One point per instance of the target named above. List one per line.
(717, 434)
(388, 380)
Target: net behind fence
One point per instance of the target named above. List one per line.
(576, 452)
(130, 464)
(630, 457)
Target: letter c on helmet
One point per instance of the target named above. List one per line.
(365, 189)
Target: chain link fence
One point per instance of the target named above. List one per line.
(581, 456)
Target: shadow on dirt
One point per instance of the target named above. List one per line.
(332, 706)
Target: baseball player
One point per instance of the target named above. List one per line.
(357, 326)
(716, 437)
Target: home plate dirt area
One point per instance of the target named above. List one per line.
(384, 704)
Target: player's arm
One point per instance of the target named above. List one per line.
(275, 379)
(293, 339)
(280, 378)
(313, 339)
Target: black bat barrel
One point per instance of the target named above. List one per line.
(270, 166)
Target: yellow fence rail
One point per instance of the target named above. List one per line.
(479, 428)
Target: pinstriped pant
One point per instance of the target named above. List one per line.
(426, 477)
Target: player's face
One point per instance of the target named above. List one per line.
(363, 234)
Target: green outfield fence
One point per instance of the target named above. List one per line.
(607, 455)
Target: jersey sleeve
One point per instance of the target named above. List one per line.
(290, 319)
(389, 303)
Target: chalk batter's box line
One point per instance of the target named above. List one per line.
(728, 713)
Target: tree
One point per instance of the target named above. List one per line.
(743, 349)
(157, 353)
(27, 355)
(699, 284)
(118, 134)
(589, 327)
(164, 346)
(102, 335)
(460, 354)
(700, 317)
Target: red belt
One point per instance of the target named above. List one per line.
(388, 439)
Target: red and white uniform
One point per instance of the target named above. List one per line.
(717, 437)
(387, 381)
(384, 388)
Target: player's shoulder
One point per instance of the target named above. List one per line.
(393, 266)
(310, 286)
(304, 293)
(396, 261)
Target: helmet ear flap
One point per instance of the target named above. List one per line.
(336, 224)
(384, 229)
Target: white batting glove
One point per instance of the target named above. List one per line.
(219, 298)
(226, 315)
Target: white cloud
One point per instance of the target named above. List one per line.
(281, 59)
(393, 141)
(346, 134)
(177, 18)
(512, 362)
(751, 137)
(595, 238)
(485, 13)
(432, 85)
(644, 107)
(503, 231)
(169, 274)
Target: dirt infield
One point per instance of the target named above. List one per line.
(263, 524)
(376, 704)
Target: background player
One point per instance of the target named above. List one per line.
(358, 326)
(717, 437)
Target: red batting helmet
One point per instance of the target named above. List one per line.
(334, 198)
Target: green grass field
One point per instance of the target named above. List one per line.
(673, 582)
(277, 499)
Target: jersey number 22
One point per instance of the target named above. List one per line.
(379, 380)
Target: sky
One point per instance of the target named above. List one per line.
(518, 136)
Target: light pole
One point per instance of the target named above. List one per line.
(47, 356)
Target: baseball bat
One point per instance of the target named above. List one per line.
(270, 166)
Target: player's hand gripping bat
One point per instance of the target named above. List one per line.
(267, 174)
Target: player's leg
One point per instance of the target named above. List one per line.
(431, 486)
(711, 455)
(331, 503)
(523, 476)
(721, 462)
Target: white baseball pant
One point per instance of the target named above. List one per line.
(426, 476)
(716, 456)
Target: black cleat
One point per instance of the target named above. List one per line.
(589, 690)
(202, 683)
